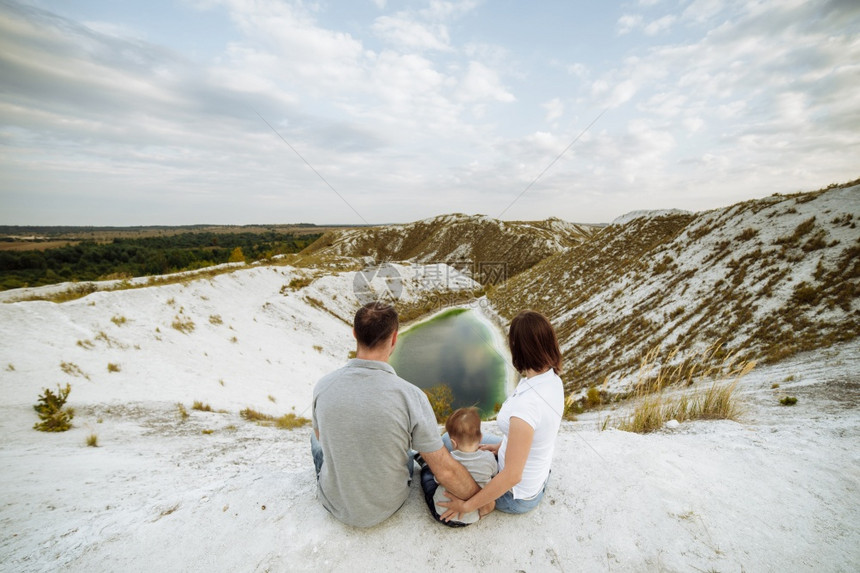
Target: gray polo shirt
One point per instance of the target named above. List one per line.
(368, 418)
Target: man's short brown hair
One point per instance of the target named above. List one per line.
(464, 425)
(374, 323)
(533, 343)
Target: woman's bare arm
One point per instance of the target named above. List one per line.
(520, 436)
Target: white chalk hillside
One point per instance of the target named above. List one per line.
(776, 491)
(764, 279)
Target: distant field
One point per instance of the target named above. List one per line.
(37, 256)
(24, 238)
(31, 245)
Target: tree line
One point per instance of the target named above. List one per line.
(123, 257)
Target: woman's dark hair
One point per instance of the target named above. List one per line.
(374, 323)
(533, 343)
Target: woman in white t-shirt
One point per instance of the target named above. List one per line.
(529, 420)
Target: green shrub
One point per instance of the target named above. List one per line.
(788, 400)
(50, 408)
(118, 320)
(441, 397)
(592, 397)
(236, 256)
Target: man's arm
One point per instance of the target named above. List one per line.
(451, 473)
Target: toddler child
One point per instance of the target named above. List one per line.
(464, 429)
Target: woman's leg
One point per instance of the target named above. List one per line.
(507, 503)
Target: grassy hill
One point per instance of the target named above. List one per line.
(760, 280)
(490, 249)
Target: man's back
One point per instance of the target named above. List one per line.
(368, 418)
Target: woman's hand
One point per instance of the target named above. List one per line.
(455, 507)
(494, 448)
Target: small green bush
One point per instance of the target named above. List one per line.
(50, 408)
(788, 400)
(118, 320)
(236, 256)
(592, 397)
(441, 397)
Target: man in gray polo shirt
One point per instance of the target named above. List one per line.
(366, 419)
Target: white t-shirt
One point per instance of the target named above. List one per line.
(539, 402)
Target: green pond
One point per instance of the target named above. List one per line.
(460, 350)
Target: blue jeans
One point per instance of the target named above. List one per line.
(506, 503)
(317, 453)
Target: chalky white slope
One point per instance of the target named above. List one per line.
(776, 491)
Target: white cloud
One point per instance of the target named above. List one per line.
(554, 109)
(480, 82)
(628, 22)
(403, 32)
(660, 25)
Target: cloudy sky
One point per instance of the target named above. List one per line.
(125, 112)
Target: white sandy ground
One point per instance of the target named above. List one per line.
(779, 490)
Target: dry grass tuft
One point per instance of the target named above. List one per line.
(286, 422)
(654, 407)
(200, 406)
(184, 325)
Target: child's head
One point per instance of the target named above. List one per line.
(464, 428)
